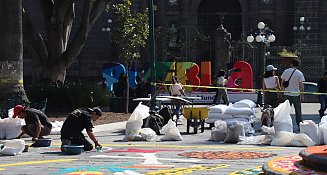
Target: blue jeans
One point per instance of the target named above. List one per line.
(323, 102)
(296, 101)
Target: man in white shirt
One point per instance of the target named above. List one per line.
(295, 87)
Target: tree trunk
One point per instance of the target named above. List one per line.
(11, 51)
(54, 54)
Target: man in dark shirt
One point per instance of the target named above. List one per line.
(322, 88)
(76, 122)
(37, 123)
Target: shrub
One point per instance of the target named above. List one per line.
(69, 96)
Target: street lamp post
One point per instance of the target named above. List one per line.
(152, 52)
(301, 27)
(264, 36)
(108, 29)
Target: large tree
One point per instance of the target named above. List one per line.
(58, 49)
(11, 55)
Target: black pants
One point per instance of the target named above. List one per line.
(77, 139)
(221, 93)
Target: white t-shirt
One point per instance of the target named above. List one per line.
(175, 90)
(270, 82)
(221, 81)
(296, 78)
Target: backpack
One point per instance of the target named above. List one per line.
(154, 121)
(165, 112)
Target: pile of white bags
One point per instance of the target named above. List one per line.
(310, 128)
(283, 126)
(10, 128)
(219, 132)
(283, 120)
(235, 131)
(231, 132)
(171, 132)
(135, 122)
(284, 138)
(13, 147)
(242, 112)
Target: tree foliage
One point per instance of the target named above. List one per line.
(132, 31)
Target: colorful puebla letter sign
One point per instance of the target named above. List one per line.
(188, 73)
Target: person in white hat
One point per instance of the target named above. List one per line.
(270, 86)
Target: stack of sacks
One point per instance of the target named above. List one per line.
(217, 112)
(242, 111)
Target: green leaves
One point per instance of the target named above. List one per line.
(131, 31)
(70, 95)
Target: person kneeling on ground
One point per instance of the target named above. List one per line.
(76, 122)
(37, 123)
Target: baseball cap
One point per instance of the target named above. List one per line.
(17, 110)
(270, 68)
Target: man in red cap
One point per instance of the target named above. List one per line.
(37, 123)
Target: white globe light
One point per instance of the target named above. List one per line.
(271, 38)
(302, 19)
(259, 38)
(250, 39)
(261, 25)
(108, 29)
(103, 29)
(109, 21)
(308, 28)
(295, 28)
(301, 27)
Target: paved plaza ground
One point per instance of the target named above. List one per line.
(196, 154)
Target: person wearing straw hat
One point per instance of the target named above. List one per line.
(76, 122)
(270, 84)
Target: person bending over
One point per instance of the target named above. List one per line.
(37, 123)
(76, 122)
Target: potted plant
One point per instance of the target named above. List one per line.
(287, 57)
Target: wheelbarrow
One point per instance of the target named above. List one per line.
(195, 117)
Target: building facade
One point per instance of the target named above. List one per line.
(216, 31)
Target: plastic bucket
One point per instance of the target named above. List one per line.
(73, 149)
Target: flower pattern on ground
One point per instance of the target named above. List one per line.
(230, 155)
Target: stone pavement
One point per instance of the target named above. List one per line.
(194, 155)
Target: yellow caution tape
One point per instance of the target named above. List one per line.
(11, 81)
(242, 89)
